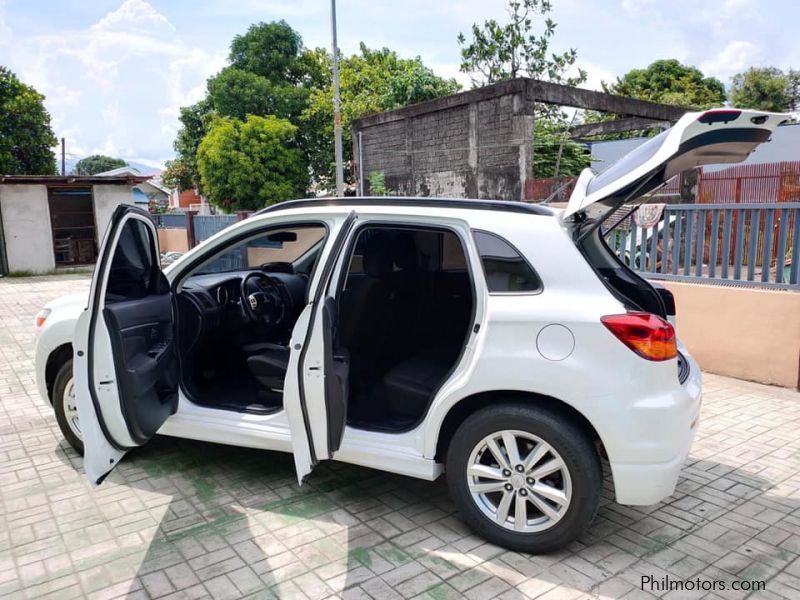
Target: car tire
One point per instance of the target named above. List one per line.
(544, 525)
(65, 409)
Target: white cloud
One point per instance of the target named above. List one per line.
(637, 7)
(735, 57)
(596, 74)
(133, 15)
(114, 86)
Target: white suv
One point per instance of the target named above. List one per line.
(502, 343)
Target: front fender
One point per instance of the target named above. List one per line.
(57, 331)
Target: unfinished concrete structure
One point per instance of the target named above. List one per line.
(479, 144)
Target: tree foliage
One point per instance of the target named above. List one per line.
(766, 88)
(26, 138)
(370, 81)
(497, 52)
(246, 165)
(548, 138)
(97, 163)
(669, 82)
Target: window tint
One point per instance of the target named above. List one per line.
(133, 267)
(505, 269)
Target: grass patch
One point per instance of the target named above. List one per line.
(62, 271)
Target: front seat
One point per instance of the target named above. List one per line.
(268, 364)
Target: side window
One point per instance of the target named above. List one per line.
(133, 267)
(505, 270)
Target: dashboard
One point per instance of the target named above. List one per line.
(209, 301)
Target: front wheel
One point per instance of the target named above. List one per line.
(66, 407)
(524, 477)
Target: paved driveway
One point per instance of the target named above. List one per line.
(188, 520)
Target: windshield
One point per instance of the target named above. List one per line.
(284, 245)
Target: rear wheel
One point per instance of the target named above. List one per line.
(66, 407)
(523, 477)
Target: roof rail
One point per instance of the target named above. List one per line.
(461, 203)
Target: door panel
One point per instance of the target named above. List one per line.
(337, 373)
(144, 358)
(315, 391)
(126, 369)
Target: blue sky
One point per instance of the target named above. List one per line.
(115, 72)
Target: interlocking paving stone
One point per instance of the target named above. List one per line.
(183, 519)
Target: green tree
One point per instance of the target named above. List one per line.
(763, 88)
(270, 73)
(370, 81)
(246, 165)
(669, 82)
(236, 93)
(269, 50)
(97, 163)
(26, 138)
(194, 123)
(548, 137)
(497, 52)
(178, 175)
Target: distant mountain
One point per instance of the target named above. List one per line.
(143, 169)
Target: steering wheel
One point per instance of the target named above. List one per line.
(262, 299)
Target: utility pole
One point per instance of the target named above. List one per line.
(63, 158)
(337, 116)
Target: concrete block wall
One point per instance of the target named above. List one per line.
(463, 146)
(26, 228)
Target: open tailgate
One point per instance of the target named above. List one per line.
(724, 135)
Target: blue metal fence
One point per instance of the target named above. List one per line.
(750, 244)
(207, 225)
(170, 220)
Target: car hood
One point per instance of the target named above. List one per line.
(69, 302)
(716, 136)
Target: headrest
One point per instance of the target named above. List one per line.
(377, 258)
(404, 251)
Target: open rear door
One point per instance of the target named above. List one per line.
(316, 387)
(716, 136)
(125, 363)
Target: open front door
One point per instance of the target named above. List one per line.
(316, 387)
(125, 363)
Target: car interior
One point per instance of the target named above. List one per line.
(405, 308)
(402, 311)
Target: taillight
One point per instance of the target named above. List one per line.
(648, 335)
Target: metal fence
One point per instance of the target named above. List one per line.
(170, 220)
(747, 244)
(207, 225)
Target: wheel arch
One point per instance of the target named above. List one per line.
(55, 360)
(468, 405)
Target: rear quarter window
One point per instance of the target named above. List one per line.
(506, 270)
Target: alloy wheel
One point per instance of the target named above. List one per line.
(71, 408)
(519, 481)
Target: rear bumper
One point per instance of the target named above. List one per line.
(647, 470)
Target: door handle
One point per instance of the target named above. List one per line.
(314, 368)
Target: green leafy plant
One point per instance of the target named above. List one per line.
(246, 165)
(26, 138)
(377, 184)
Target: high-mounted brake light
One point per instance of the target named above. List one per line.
(648, 335)
(722, 115)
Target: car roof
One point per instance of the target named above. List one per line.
(501, 206)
